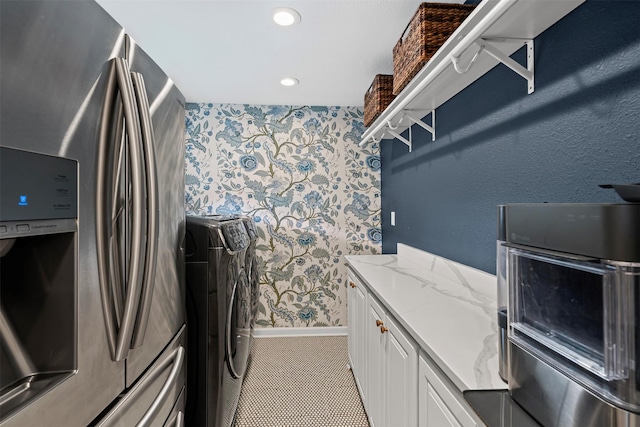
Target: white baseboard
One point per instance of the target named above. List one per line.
(325, 331)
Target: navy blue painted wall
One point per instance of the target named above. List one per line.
(496, 144)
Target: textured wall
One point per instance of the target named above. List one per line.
(496, 144)
(313, 193)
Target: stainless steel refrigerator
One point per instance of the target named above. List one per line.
(92, 325)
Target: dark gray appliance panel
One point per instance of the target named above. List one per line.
(36, 186)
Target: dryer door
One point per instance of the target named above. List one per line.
(237, 330)
(254, 284)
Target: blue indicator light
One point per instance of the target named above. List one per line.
(23, 201)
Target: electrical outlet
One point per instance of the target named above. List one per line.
(393, 218)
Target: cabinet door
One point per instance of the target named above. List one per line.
(352, 335)
(360, 300)
(438, 404)
(401, 377)
(376, 350)
(357, 300)
(437, 413)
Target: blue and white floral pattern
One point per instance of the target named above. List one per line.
(313, 193)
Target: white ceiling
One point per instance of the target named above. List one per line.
(230, 51)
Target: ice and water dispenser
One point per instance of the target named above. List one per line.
(38, 262)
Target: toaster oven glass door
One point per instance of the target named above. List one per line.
(575, 309)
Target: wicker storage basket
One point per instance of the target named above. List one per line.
(429, 28)
(378, 97)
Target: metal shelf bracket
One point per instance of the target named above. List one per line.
(415, 116)
(400, 137)
(486, 46)
(526, 73)
(391, 130)
(417, 119)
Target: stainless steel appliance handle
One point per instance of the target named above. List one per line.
(148, 142)
(102, 210)
(177, 358)
(118, 207)
(177, 420)
(134, 273)
(229, 332)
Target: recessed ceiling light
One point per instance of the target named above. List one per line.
(285, 16)
(289, 81)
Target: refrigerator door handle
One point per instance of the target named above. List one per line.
(177, 358)
(119, 206)
(151, 175)
(180, 419)
(108, 155)
(134, 273)
(120, 318)
(176, 421)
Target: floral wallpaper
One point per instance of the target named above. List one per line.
(313, 193)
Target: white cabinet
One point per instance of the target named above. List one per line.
(401, 377)
(439, 404)
(375, 366)
(398, 386)
(384, 361)
(357, 300)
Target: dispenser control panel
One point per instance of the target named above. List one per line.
(36, 187)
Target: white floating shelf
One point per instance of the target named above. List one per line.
(488, 37)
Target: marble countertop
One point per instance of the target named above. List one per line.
(448, 308)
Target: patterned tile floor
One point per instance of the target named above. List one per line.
(302, 381)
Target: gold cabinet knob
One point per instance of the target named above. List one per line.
(353, 285)
(379, 323)
(383, 329)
